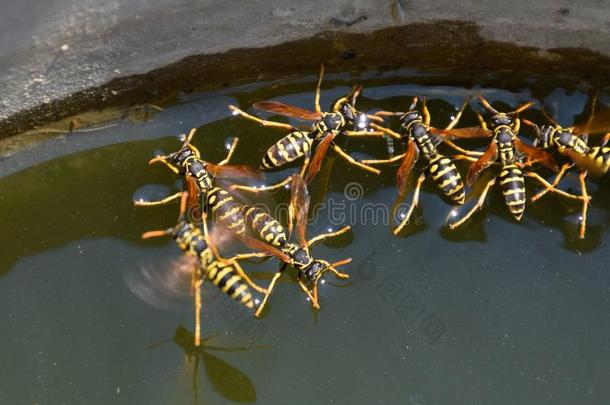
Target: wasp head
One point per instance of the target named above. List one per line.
(502, 119)
(314, 270)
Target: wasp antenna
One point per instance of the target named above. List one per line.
(156, 234)
(413, 103)
(487, 106)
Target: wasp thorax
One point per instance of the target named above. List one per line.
(502, 119)
(410, 117)
(564, 138)
(544, 136)
(314, 270)
(301, 257)
(505, 136)
(332, 122)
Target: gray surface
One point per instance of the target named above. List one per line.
(49, 50)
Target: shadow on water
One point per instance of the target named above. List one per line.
(227, 380)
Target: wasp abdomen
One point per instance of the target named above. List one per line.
(447, 178)
(289, 148)
(226, 210)
(223, 276)
(601, 155)
(513, 189)
(265, 226)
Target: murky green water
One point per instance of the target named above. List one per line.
(496, 313)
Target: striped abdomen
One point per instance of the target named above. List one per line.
(224, 276)
(601, 156)
(447, 178)
(226, 210)
(513, 189)
(289, 148)
(265, 226)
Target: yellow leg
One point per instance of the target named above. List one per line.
(265, 123)
(585, 204)
(270, 288)
(467, 158)
(164, 201)
(477, 206)
(313, 299)
(414, 203)
(198, 283)
(552, 189)
(163, 160)
(317, 98)
(276, 186)
(364, 133)
(605, 139)
(230, 152)
(384, 161)
(385, 130)
(321, 237)
(468, 153)
(246, 278)
(304, 166)
(558, 178)
(248, 256)
(354, 162)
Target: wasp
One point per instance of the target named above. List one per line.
(572, 142)
(297, 255)
(508, 150)
(299, 143)
(199, 176)
(422, 140)
(226, 274)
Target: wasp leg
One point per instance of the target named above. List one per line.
(385, 130)
(605, 140)
(197, 284)
(164, 201)
(314, 241)
(546, 184)
(558, 178)
(230, 152)
(585, 204)
(364, 133)
(248, 256)
(246, 278)
(354, 162)
(163, 160)
(477, 206)
(312, 298)
(414, 203)
(272, 187)
(305, 165)
(317, 98)
(270, 288)
(383, 161)
(265, 123)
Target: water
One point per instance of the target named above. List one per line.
(496, 312)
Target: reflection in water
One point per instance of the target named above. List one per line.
(227, 380)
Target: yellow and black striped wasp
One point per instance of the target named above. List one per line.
(421, 142)
(199, 175)
(300, 143)
(203, 260)
(509, 150)
(572, 142)
(296, 255)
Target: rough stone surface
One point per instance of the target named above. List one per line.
(49, 50)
